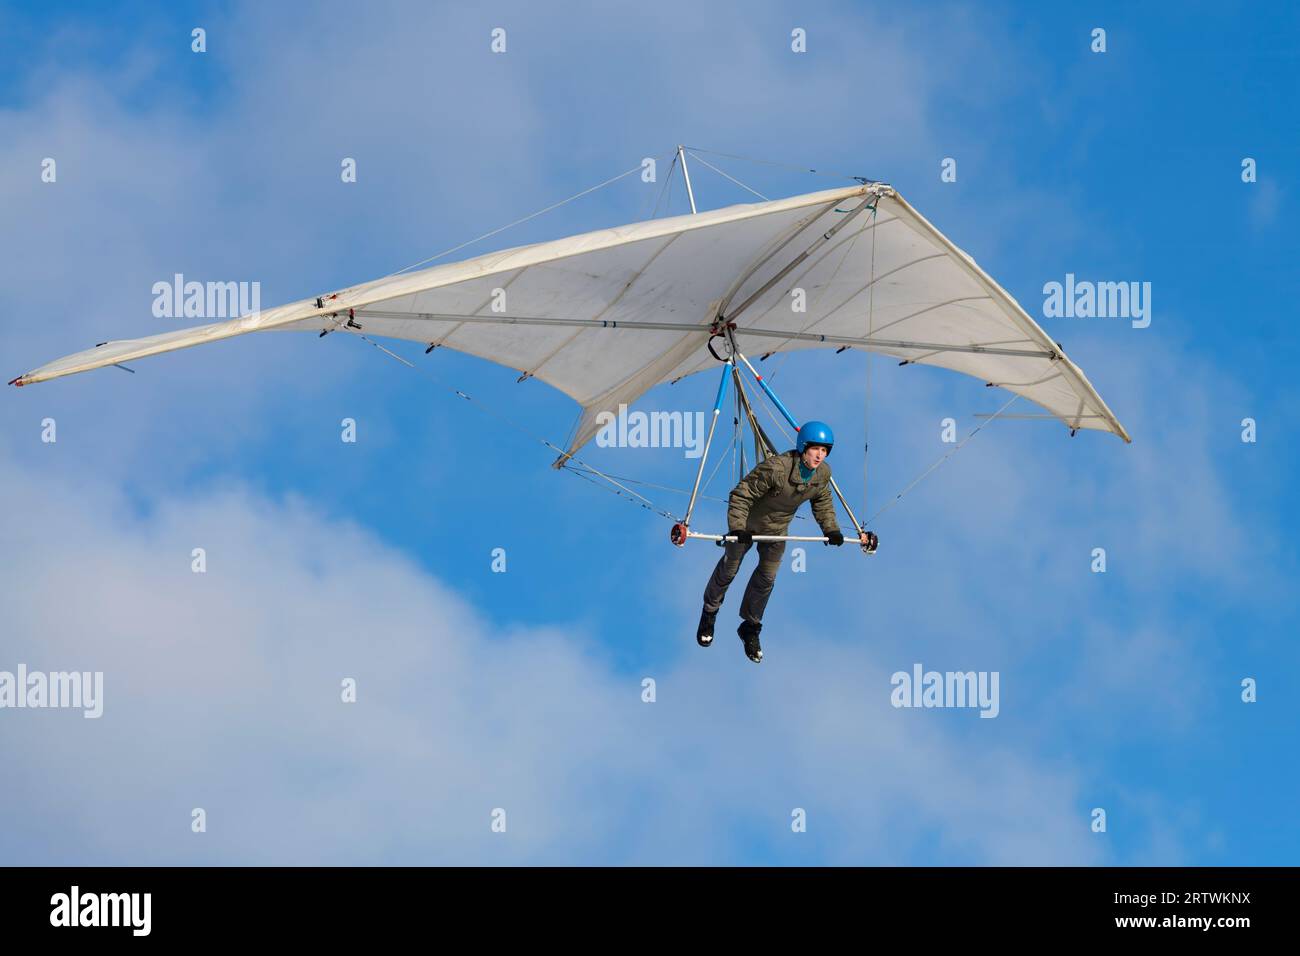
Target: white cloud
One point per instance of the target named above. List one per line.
(222, 691)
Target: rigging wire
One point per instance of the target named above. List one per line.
(952, 451)
(721, 459)
(729, 176)
(642, 502)
(662, 189)
(517, 222)
(676, 491)
(646, 502)
(668, 187)
(765, 162)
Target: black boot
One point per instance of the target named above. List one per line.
(704, 633)
(749, 634)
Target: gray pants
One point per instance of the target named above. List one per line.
(760, 582)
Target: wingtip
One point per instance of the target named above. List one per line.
(18, 381)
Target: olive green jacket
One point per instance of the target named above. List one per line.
(766, 499)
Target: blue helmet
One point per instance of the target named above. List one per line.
(815, 433)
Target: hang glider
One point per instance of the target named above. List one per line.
(607, 315)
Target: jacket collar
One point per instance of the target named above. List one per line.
(795, 460)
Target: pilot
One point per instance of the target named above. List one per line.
(764, 503)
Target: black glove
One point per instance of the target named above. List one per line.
(742, 536)
(835, 538)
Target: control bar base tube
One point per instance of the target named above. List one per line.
(730, 538)
(759, 537)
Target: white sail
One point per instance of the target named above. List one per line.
(606, 315)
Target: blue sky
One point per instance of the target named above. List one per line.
(523, 690)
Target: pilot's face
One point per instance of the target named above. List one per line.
(814, 455)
